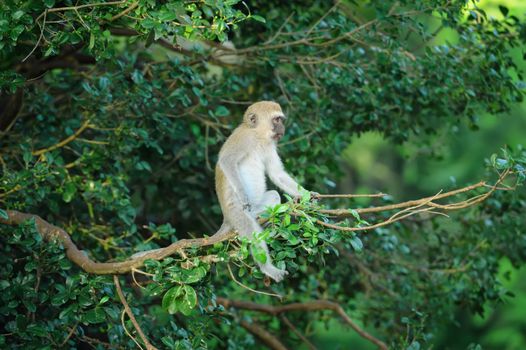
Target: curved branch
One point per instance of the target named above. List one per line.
(51, 232)
(416, 202)
(298, 333)
(314, 305)
(266, 337)
(65, 141)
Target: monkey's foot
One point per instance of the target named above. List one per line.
(273, 272)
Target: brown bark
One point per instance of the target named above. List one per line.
(314, 305)
(51, 232)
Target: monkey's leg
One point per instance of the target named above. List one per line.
(247, 226)
(270, 199)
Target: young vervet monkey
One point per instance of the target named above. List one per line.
(246, 157)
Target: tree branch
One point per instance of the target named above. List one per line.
(51, 232)
(128, 310)
(65, 141)
(314, 305)
(270, 340)
(298, 333)
(417, 202)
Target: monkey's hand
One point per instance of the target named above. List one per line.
(314, 196)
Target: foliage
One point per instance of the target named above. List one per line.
(125, 104)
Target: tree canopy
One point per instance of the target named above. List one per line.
(111, 117)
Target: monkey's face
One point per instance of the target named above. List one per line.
(267, 118)
(278, 127)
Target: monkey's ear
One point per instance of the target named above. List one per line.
(252, 120)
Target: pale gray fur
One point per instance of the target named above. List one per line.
(247, 156)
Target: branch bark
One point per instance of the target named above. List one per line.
(427, 201)
(266, 337)
(51, 232)
(128, 310)
(314, 305)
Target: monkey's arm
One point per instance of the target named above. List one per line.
(280, 177)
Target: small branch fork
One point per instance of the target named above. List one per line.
(414, 207)
(314, 305)
(51, 232)
(64, 142)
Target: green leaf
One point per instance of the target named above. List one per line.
(180, 298)
(504, 10)
(27, 156)
(414, 346)
(91, 41)
(37, 329)
(3, 214)
(150, 38)
(17, 15)
(258, 18)
(293, 239)
(59, 299)
(143, 165)
(281, 208)
(171, 299)
(195, 275)
(188, 276)
(189, 301)
(222, 111)
(167, 16)
(69, 191)
(195, 129)
(259, 253)
(293, 227)
(169, 342)
(96, 315)
(355, 214)
(356, 243)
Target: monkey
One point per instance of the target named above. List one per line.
(247, 155)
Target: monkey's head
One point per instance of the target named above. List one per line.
(267, 118)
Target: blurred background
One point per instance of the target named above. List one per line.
(454, 154)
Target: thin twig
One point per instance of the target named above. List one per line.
(40, 37)
(148, 345)
(280, 29)
(250, 289)
(65, 141)
(374, 195)
(70, 334)
(298, 333)
(336, 4)
(127, 331)
(346, 212)
(125, 12)
(70, 8)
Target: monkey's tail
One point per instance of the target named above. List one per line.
(223, 230)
